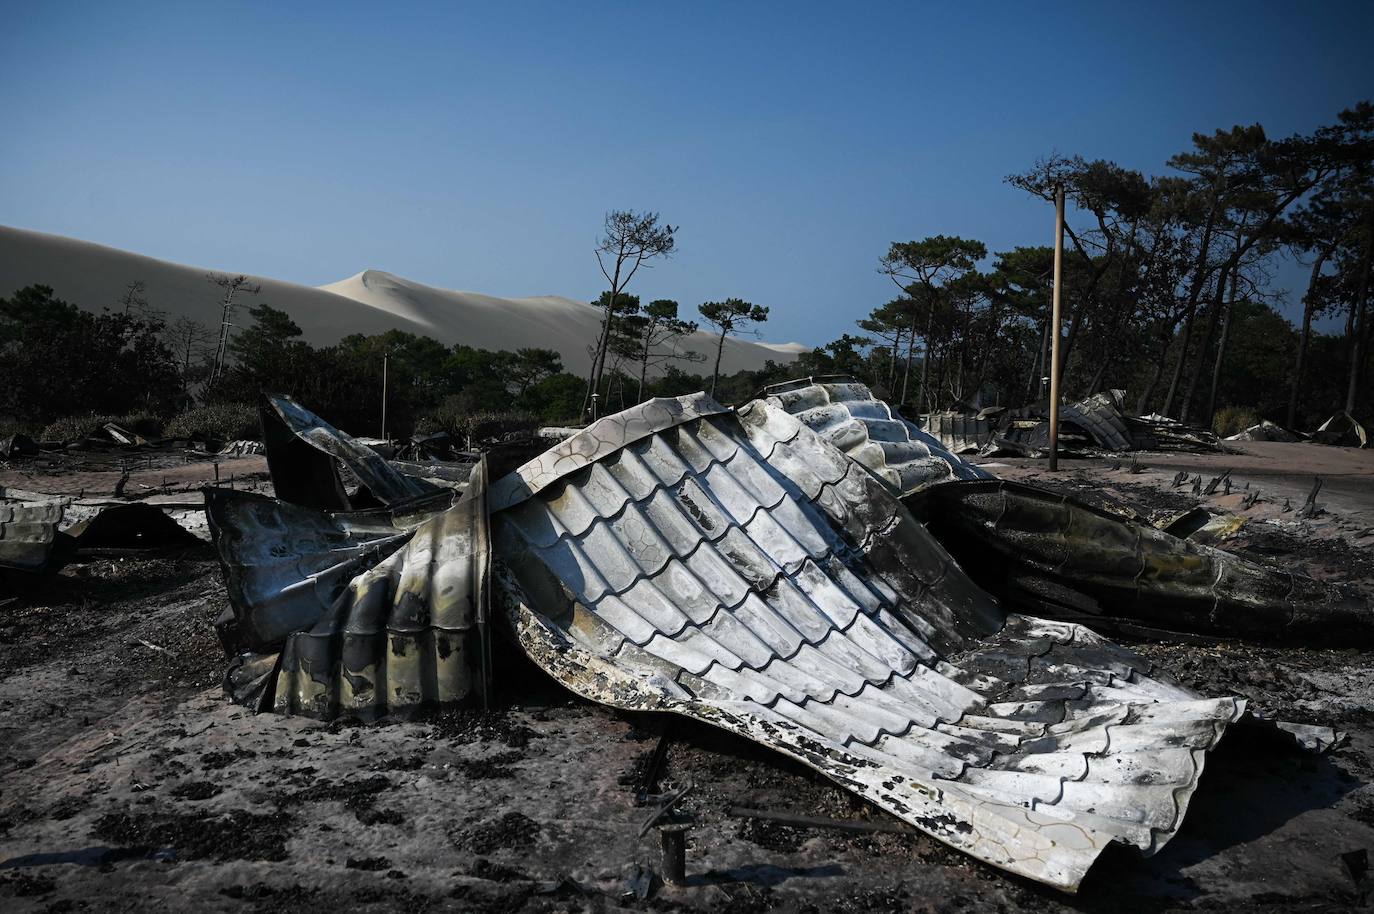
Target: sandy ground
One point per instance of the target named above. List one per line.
(127, 782)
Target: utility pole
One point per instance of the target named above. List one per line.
(385, 356)
(1055, 324)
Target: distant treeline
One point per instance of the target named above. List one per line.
(1167, 293)
(1167, 285)
(59, 361)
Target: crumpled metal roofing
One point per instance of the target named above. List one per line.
(741, 571)
(959, 433)
(847, 415)
(355, 613)
(1062, 557)
(28, 533)
(1101, 416)
(303, 453)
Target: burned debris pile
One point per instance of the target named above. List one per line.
(1052, 555)
(811, 572)
(758, 570)
(1096, 425)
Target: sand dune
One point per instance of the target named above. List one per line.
(93, 276)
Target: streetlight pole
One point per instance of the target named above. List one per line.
(1055, 324)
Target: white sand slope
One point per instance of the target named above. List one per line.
(93, 276)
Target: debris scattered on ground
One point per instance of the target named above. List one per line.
(530, 847)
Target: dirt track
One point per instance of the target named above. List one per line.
(127, 782)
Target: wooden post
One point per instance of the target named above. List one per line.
(1055, 325)
(674, 844)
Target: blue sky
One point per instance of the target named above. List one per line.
(477, 146)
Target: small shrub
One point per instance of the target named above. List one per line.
(216, 422)
(1233, 419)
(145, 424)
(74, 428)
(473, 428)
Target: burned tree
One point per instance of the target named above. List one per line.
(232, 286)
(189, 340)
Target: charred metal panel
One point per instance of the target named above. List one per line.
(286, 564)
(958, 432)
(1054, 555)
(848, 416)
(28, 534)
(303, 453)
(1102, 417)
(741, 571)
(402, 634)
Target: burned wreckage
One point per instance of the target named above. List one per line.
(764, 570)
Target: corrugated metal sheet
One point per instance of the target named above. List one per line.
(28, 532)
(371, 613)
(1102, 417)
(285, 564)
(958, 432)
(1073, 561)
(402, 635)
(743, 572)
(848, 416)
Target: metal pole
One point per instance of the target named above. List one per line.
(385, 356)
(1055, 325)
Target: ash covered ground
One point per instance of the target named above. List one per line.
(128, 782)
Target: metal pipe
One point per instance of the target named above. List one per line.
(385, 357)
(1055, 320)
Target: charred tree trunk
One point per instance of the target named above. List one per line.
(910, 354)
(1213, 322)
(1300, 365)
(1038, 366)
(1067, 348)
(1102, 364)
(1352, 390)
(1143, 403)
(924, 396)
(1202, 272)
(1221, 347)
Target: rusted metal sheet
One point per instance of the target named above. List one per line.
(1054, 555)
(845, 413)
(741, 571)
(304, 453)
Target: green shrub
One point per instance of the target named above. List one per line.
(217, 422)
(1230, 420)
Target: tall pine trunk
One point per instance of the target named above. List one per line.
(1200, 275)
(1358, 330)
(1300, 365)
(1221, 347)
(715, 372)
(1213, 322)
